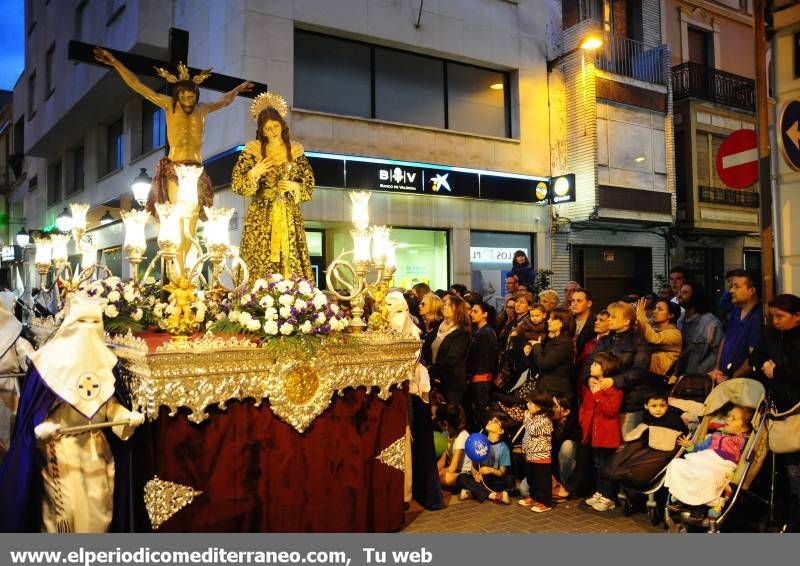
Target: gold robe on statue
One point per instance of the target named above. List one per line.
(79, 472)
(274, 238)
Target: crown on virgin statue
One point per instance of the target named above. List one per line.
(266, 100)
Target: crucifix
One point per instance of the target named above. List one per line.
(185, 117)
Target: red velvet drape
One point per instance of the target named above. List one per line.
(258, 474)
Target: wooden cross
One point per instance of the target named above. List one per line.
(178, 53)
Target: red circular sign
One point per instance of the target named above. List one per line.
(737, 159)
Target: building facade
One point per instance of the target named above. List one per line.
(612, 127)
(785, 143)
(713, 71)
(392, 90)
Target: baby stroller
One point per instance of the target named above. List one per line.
(745, 393)
(688, 394)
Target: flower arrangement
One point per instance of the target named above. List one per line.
(126, 306)
(280, 306)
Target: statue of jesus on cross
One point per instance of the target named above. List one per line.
(186, 119)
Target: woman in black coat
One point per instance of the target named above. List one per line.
(448, 350)
(777, 359)
(554, 357)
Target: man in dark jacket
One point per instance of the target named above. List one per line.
(581, 308)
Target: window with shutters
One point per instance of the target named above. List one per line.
(703, 160)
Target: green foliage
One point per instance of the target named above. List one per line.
(542, 281)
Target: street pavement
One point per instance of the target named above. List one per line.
(572, 516)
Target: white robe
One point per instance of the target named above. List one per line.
(79, 472)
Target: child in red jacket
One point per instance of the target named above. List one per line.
(599, 418)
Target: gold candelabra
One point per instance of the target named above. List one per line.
(373, 249)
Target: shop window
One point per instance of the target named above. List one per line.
(408, 88)
(75, 174)
(476, 100)
(53, 183)
(332, 75)
(154, 127)
(31, 95)
(49, 69)
(491, 258)
(352, 78)
(422, 255)
(114, 147)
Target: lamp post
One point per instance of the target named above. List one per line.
(23, 239)
(141, 187)
(64, 221)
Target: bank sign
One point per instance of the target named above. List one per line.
(370, 174)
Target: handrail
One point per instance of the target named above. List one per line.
(700, 81)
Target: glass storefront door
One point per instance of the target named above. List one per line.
(491, 257)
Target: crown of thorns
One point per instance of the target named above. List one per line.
(183, 75)
(266, 100)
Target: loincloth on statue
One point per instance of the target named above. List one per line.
(165, 171)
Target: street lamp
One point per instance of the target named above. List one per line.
(64, 221)
(23, 238)
(592, 42)
(141, 186)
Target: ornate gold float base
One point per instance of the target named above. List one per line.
(196, 374)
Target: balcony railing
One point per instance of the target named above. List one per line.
(630, 58)
(729, 196)
(699, 81)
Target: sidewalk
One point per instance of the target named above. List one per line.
(570, 517)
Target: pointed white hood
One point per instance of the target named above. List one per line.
(76, 364)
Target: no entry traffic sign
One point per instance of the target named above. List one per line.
(737, 159)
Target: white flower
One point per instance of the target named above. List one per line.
(286, 300)
(304, 288)
(286, 329)
(285, 312)
(283, 286)
(244, 318)
(320, 319)
(151, 301)
(170, 309)
(300, 304)
(270, 327)
(253, 325)
(113, 296)
(150, 281)
(275, 277)
(306, 327)
(111, 281)
(220, 315)
(335, 309)
(129, 295)
(137, 316)
(259, 285)
(111, 311)
(271, 314)
(246, 298)
(158, 310)
(266, 301)
(234, 316)
(319, 300)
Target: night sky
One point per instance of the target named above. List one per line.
(12, 42)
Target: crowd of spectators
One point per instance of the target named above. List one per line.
(576, 377)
